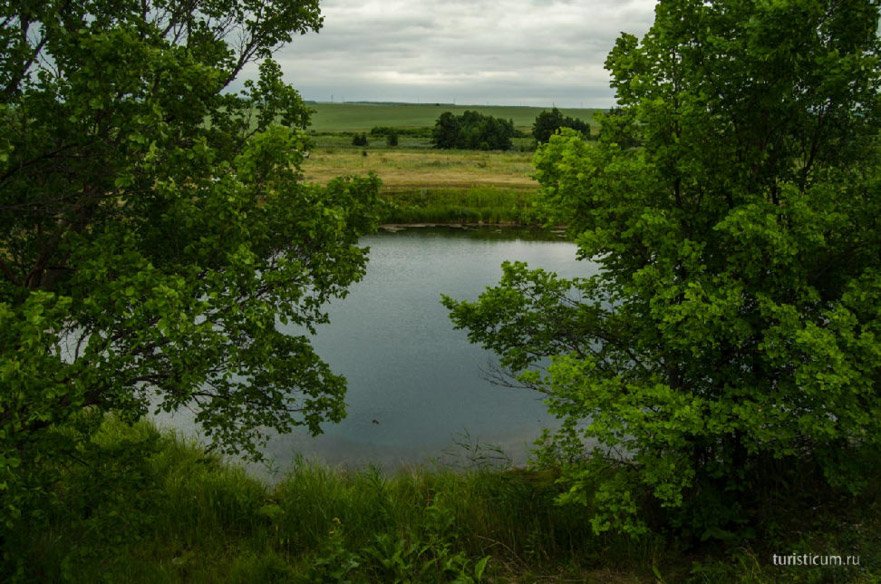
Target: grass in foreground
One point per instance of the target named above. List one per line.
(144, 507)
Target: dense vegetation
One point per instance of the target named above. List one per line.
(472, 131)
(728, 349)
(717, 381)
(154, 229)
(395, 131)
(549, 123)
(142, 507)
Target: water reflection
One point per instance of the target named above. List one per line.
(416, 386)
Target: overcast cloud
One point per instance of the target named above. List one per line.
(517, 52)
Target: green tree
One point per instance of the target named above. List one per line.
(730, 340)
(548, 123)
(445, 133)
(155, 230)
(472, 131)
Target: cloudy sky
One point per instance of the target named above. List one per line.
(512, 52)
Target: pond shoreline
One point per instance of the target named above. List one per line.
(393, 341)
(395, 227)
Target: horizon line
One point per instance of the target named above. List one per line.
(444, 103)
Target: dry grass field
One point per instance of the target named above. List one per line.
(411, 170)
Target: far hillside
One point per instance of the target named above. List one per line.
(363, 116)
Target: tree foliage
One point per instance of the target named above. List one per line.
(548, 123)
(154, 227)
(730, 338)
(472, 131)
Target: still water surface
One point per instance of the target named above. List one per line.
(416, 386)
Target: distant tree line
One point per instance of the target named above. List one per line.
(549, 123)
(391, 137)
(387, 130)
(360, 139)
(472, 131)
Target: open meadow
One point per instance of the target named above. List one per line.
(423, 184)
(412, 169)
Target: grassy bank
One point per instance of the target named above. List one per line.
(438, 186)
(466, 205)
(145, 507)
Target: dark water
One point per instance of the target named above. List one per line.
(417, 388)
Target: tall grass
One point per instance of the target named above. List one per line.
(477, 204)
(140, 506)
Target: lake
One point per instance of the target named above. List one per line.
(417, 388)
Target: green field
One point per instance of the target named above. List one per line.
(422, 184)
(361, 117)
